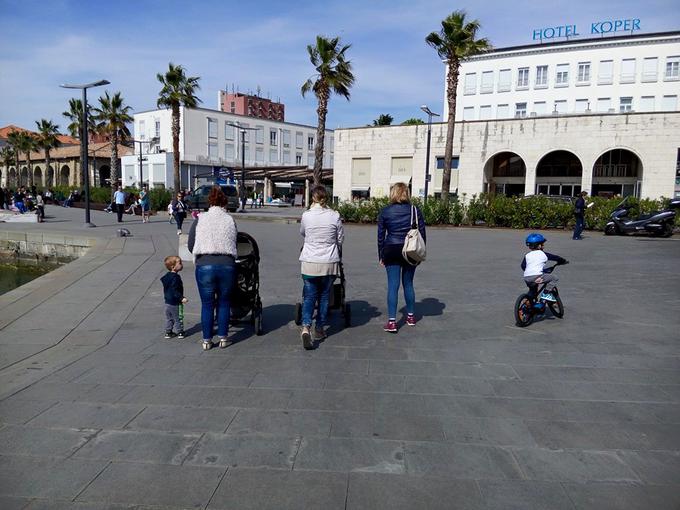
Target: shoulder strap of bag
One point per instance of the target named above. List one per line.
(414, 221)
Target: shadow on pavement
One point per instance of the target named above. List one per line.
(428, 307)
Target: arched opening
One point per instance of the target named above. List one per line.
(504, 174)
(104, 176)
(49, 182)
(37, 176)
(12, 183)
(23, 177)
(559, 173)
(64, 175)
(617, 172)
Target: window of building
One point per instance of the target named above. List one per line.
(560, 106)
(502, 111)
(298, 139)
(298, 158)
(583, 76)
(229, 153)
(361, 172)
(605, 74)
(541, 77)
(625, 104)
(286, 157)
(627, 70)
(539, 108)
(259, 134)
(157, 128)
(142, 130)
(504, 80)
(646, 104)
(310, 160)
(212, 150)
(487, 82)
(672, 68)
(259, 154)
(522, 78)
(286, 138)
(469, 113)
(402, 168)
(581, 105)
(273, 155)
(331, 142)
(470, 84)
(212, 128)
(485, 112)
(562, 75)
(603, 104)
(272, 137)
(669, 103)
(520, 109)
(228, 131)
(650, 68)
(310, 142)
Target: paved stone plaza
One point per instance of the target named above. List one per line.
(465, 411)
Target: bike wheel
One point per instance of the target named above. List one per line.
(610, 230)
(667, 230)
(524, 313)
(557, 308)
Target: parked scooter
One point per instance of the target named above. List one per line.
(657, 223)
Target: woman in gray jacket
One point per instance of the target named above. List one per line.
(320, 262)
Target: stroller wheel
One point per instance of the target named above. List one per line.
(258, 323)
(298, 313)
(347, 311)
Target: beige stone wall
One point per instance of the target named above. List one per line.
(653, 137)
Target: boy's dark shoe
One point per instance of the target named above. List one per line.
(180, 334)
(169, 334)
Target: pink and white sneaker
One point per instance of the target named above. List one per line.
(411, 319)
(390, 326)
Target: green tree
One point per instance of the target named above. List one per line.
(178, 89)
(455, 42)
(333, 74)
(14, 141)
(8, 158)
(75, 117)
(413, 121)
(112, 118)
(27, 144)
(384, 119)
(47, 140)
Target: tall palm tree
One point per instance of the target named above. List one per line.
(112, 118)
(47, 139)
(28, 144)
(75, 116)
(14, 140)
(333, 74)
(8, 159)
(178, 90)
(455, 42)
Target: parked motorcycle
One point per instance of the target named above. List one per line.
(657, 223)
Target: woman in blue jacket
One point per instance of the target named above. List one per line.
(394, 222)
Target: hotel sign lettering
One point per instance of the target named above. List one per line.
(598, 27)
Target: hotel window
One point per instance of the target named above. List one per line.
(331, 143)
(560, 106)
(228, 131)
(504, 80)
(259, 134)
(580, 105)
(273, 155)
(605, 72)
(646, 104)
(627, 70)
(470, 84)
(522, 78)
(625, 104)
(502, 111)
(259, 154)
(286, 138)
(245, 132)
(157, 128)
(142, 129)
(272, 137)
(541, 77)
(520, 110)
(310, 142)
(603, 104)
(583, 76)
(562, 75)
(232, 107)
(487, 82)
(469, 113)
(212, 149)
(229, 153)
(310, 160)
(669, 103)
(298, 158)
(286, 157)
(539, 108)
(672, 68)
(212, 128)
(650, 67)
(298, 139)
(485, 112)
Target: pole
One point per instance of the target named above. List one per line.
(243, 170)
(84, 164)
(427, 157)
(141, 175)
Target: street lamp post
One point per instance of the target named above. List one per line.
(430, 114)
(242, 186)
(83, 143)
(141, 159)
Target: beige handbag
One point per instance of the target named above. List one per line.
(414, 250)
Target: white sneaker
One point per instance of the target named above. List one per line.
(179, 232)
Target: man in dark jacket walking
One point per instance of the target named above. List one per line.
(579, 213)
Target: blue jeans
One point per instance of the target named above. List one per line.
(20, 205)
(215, 283)
(395, 273)
(578, 228)
(316, 290)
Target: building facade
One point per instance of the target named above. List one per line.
(209, 140)
(250, 106)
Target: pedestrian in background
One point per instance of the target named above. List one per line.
(119, 199)
(145, 204)
(579, 214)
(179, 211)
(394, 222)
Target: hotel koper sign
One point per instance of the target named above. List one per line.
(598, 27)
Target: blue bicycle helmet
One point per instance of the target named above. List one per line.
(534, 239)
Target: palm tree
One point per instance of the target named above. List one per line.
(47, 139)
(112, 118)
(26, 143)
(384, 119)
(14, 140)
(413, 121)
(455, 42)
(178, 89)
(333, 74)
(75, 116)
(8, 159)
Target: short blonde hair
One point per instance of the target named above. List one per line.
(170, 261)
(399, 194)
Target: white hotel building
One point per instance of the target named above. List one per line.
(595, 114)
(208, 140)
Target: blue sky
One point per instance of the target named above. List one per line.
(251, 44)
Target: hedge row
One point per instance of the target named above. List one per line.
(160, 198)
(533, 212)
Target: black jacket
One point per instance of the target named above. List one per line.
(173, 289)
(394, 222)
(580, 206)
